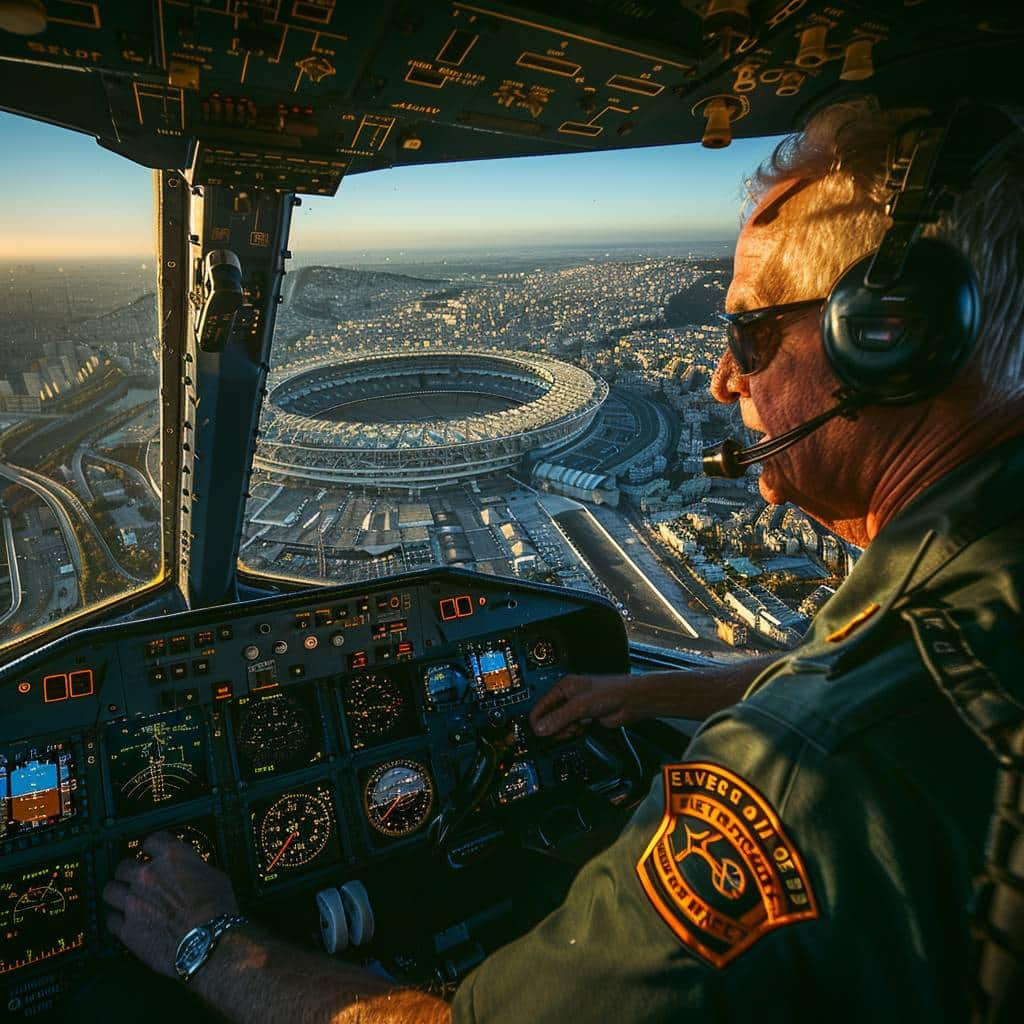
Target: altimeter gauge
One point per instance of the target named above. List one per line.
(398, 796)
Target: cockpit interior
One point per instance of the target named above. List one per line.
(282, 603)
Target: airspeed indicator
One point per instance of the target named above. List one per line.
(294, 832)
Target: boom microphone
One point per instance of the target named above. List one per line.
(730, 459)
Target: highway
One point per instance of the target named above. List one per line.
(59, 498)
(140, 479)
(17, 594)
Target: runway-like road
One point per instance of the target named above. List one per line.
(650, 610)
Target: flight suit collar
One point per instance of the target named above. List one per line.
(970, 501)
(918, 543)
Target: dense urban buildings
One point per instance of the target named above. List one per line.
(537, 414)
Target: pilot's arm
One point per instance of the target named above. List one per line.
(575, 701)
(250, 976)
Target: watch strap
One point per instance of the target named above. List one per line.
(211, 931)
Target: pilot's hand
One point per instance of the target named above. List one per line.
(574, 702)
(156, 903)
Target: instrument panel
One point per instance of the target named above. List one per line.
(296, 741)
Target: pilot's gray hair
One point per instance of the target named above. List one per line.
(842, 153)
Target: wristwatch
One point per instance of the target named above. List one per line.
(195, 949)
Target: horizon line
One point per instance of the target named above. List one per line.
(149, 257)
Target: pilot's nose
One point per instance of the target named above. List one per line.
(727, 383)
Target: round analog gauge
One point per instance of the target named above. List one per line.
(398, 796)
(200, 842)
(195, 836)
(294, 830)
(276, 731)
(373, 706)
(541, 651)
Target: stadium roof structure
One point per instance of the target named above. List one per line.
(323, 422)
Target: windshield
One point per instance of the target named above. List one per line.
(505, 366)
(79, 378)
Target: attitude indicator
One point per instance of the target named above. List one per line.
(42, 914)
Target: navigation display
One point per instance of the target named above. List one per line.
(42, 914)
(279, 731)
(36, 787)
(158, 761)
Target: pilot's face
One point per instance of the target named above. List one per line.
(823, 472)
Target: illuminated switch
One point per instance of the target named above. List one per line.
(296, 671)
(358, 659)
(201, 666)
(81, 683)
(302, 620)
(225, 633)
(179, 670)
(55, 688)
(362, 605)
(405, 651)
(154, 648)
(379, 632)
(221, 691)
(203, 638)
(179, 644)
(158, 674)
(324, 616)
(188, 697)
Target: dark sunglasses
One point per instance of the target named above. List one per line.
(755, 335)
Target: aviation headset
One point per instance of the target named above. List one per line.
(902, 321)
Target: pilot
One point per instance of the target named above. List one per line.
(813, 855)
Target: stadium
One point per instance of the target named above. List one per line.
(419, 420)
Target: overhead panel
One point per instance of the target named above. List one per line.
(294, 94)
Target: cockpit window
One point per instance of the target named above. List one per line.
(505, 366)
(79, 378)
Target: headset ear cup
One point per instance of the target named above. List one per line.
(906, 342)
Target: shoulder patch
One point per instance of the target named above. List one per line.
(720, 871)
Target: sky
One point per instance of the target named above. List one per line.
(64, 197)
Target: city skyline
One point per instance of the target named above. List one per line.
(662, 194)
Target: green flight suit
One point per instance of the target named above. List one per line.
(866, 801)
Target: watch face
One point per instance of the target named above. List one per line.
(193, 951)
